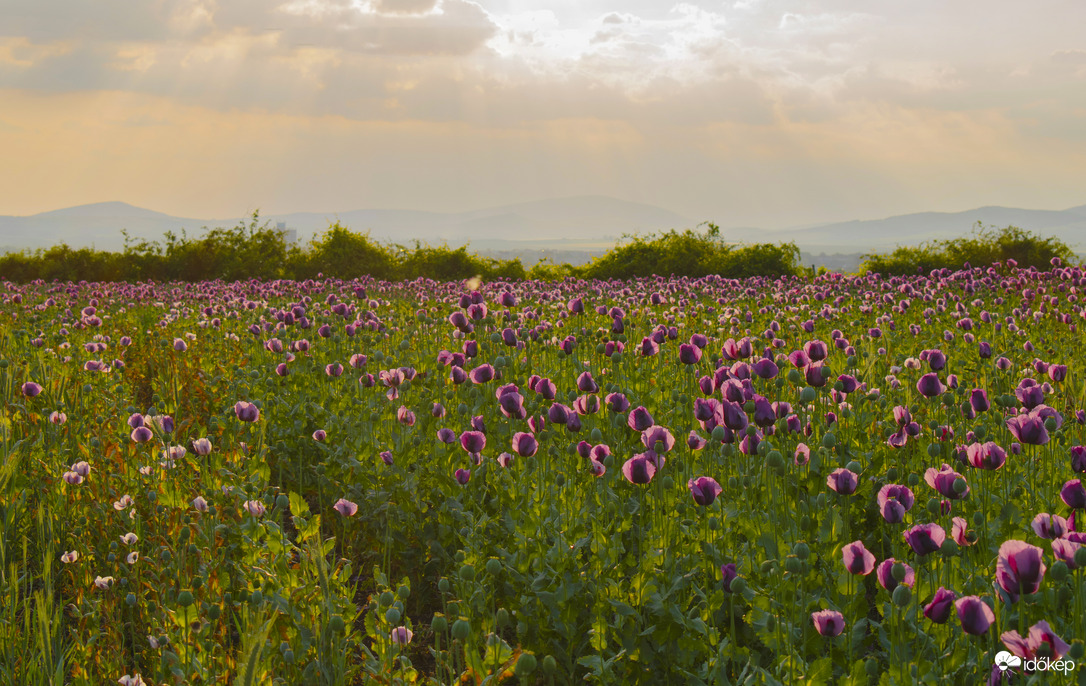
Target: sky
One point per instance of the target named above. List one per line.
(747, 113)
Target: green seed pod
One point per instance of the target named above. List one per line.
(891, 474)
(467, 572)
(288, 657)
(854, 466)
(774, 460)
(1080, 557)
(493, 566)
(501, 618)
(336, 624)
(792, 564)
(739, 584)
(808, 394)
(443, 585)
(801, 550)
(913, 479)
(282, 502)
(214, 611)
(526, 664)
(934, 450)
(596, 435)
(718, 433)
(902, 595)
(560, 480)
(256, 598)
(385, 599)
(978, 519)
(771, 623)
(933, 506)
(794, 376)
(549, 665)
(403, 592)
(461, 629)
(959, 486)
(871, 666)
(768, 566)
(898, 572)
(392, 616)
(439, 624)
(130, 599)
(1077, 648)
(184, 598)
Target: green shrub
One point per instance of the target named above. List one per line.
(985, 246)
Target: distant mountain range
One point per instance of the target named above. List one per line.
(585, 224)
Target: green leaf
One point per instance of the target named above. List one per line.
(298, 506)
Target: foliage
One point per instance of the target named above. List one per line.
(985, 246)
(252, 250)
(688, 253)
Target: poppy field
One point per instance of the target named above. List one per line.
(818, 480)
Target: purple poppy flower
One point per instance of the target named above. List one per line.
(1020, 568)
(401, 635)
(802, 455)
(386, 457)
(1040, 634)
(505, 459)
(648, 347)
(938, 610)
(446, 435)
(704, 489)
(1049, 526)
(843, 481)
(689, 354)
(1057, 372)
(405, 416)
(816, 350)
(1078, 459)
(462, 476)
(728, 574)
(457, 375)
(658, 438)
(925, 538)
(764, 414)
(1030, 394)
(135, 421)
(765, 368)
(884, 573)
(930, 386)
(281, 369)
(894, 501)
(481, 374)
(986, 455)
(828, 623)
(975, 615)
(254, 507)
(978, 400)
(639, 419)
(320, 435)
(367, 380)
(586, 384)
(246, 412)
(558, 414)
(1066, 547)
(545, 388)
(334, 370)
(473, 442)
(958, 529)
(942, 480)
(1028, 428)
(639, 469)
(141, 434)
(694, 441)
(437, 410)
(857, 558)
(617, 402)
(524, 444)
(734, 416)
(1073, 494)
(345, 507)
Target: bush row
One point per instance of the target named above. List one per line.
(252, 250)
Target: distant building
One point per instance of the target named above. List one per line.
(289, 235)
